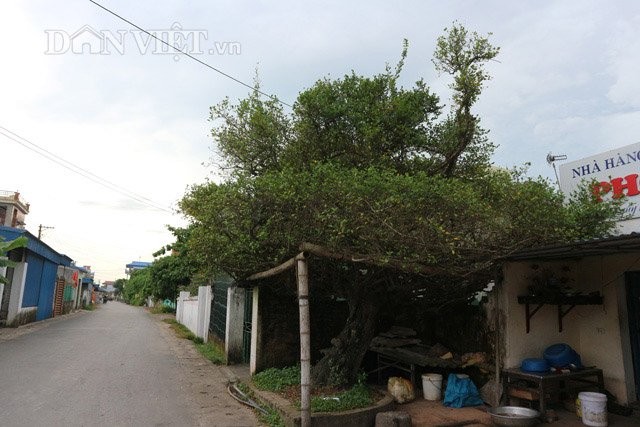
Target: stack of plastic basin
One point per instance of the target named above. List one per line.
(562, 356)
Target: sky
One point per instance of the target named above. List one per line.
(124, 121)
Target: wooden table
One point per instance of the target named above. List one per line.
(408, 360)
(549, 385)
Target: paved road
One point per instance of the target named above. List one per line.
(116, 366)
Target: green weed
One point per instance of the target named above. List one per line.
(274, 379)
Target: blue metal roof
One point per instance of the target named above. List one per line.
(138, 264)
(35, 245)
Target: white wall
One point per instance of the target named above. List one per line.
(190, 314)
(194, 312)
(17, 291)
(544, 324)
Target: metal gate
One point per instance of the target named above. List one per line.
(246, 325)
(218, 318)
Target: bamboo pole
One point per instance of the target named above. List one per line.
(305, 343)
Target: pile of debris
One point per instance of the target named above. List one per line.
(403, 344)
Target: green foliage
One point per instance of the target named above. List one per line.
(463, 55)
(138, 287)
(358, 396)
(250, 134)
(359, 122)
(176, 271)
(274, 379)
(5, 247)
(450, 224)
(119, 285)
(89, 307)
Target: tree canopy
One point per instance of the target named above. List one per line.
(363, 165)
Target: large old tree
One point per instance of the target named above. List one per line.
(364, 166)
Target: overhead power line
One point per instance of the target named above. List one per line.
(80, 171)
(275, 98)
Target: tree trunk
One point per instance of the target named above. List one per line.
(341, 363)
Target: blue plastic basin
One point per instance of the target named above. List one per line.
(562, 355)
(534, 365)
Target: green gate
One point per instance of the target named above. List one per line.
(246, 325)
(218, 319)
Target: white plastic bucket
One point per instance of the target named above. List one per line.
(594, 408)
(432, 386)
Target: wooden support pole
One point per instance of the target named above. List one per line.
(305, 343)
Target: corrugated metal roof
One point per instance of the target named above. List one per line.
(35, 245)
(138, 264)
(595, 247)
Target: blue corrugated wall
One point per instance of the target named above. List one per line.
(40, 285)
(31, 294)
(47, 290)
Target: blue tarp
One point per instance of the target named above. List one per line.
(461, 392)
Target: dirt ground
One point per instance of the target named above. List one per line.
(427, 413)
(206, 383)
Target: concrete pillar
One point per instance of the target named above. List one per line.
(234, 330)
(255, 362)
(17, 291)
(204, 311)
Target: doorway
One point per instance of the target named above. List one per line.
(632, 284)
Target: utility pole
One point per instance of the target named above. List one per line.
(43, 227)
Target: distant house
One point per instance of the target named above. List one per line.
(30, 293)
(85, 286)
(13, 209)
(136, 265)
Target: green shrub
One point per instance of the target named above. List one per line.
(274, 379)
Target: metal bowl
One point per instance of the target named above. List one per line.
(514, 416)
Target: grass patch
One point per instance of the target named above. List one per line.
(89, 307)
(210, 350)
(181, 330)
(162, 309)
(274, 379)
(286, 381)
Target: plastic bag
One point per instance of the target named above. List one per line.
(461, 392)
